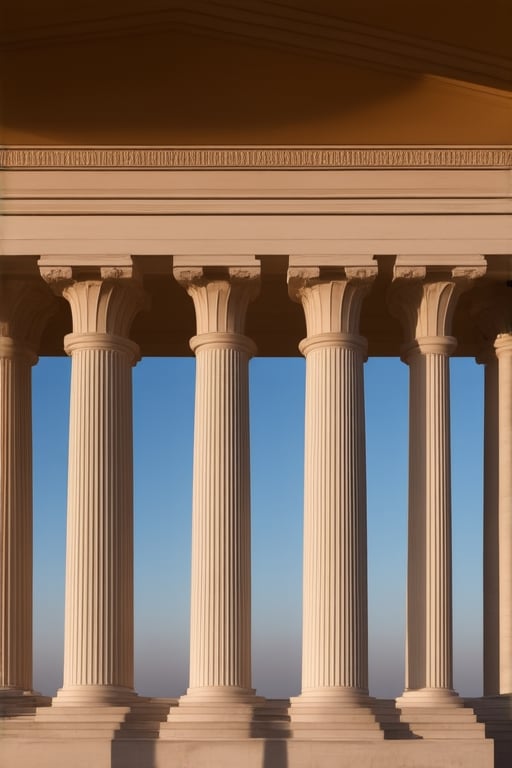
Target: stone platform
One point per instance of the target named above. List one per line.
(137, 737)
(75, 752)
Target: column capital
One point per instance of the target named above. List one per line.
(104, 298)
(57, 270)
(503, 344)
(25, 305)
(492, 310)
(424, 300)
(220, 295)
(331, 298)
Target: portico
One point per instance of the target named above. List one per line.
(233, 180)
(438, 273)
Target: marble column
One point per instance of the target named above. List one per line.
(429, 606)
(335, 621)
(426, 307)
(503, 346)
(490, 529)
(24, 306)
(492, 311)
(220, 629)
(98, 632)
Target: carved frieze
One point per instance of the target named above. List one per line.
(254, 157)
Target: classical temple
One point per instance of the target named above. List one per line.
(331, 179)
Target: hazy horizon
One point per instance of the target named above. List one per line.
(163, 433)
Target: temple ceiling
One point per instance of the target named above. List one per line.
(256, 72)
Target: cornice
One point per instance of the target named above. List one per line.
(253, 157)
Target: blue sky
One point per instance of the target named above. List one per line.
(163, 427)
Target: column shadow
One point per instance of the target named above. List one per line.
(134, 743)
(271, 724)
(503, 751)
(139, 753)
(388, 716)
(275, 754)
(21, 706)
(496, 715)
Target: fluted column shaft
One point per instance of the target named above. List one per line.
(25, 304)
(335, 610)
(98, 628)
(503, 345)
(98, 647)
(220, 641)
(493, 313)
(335, 627)
(220, 630)
(15, 516)
(429, 604)
(425, 305)
(491, 527)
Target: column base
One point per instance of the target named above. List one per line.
(224, 713)
(424, 697)
(219, 694)
(139, 719)
(334, 713)
(438, 713)
(94, 695)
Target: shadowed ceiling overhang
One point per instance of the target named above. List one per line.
(262, 72)
(297, 27)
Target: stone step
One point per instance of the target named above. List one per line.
(65, 710)
(270, 730)
(334, 717)
(322, 731)
(447, 730)
(454, 735)
(499, 730)
(89, 717)
(209, 718)
(463, 715)
(432, 717)
(67, 726)
(60, 734)
(27, 717)
(494, 715)
(80, 720)
(271, 711)
(202, 732)
(440, 726)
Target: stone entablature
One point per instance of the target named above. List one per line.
(435, 204)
